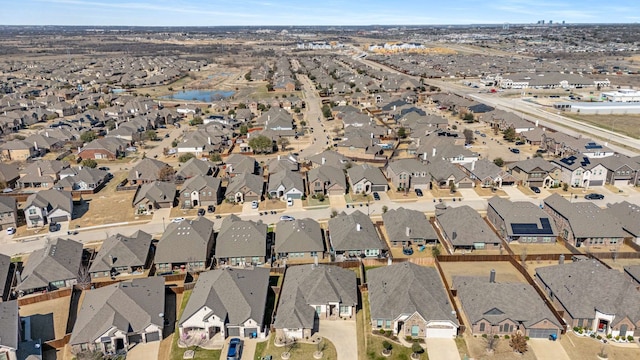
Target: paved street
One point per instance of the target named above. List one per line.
(342, 333)
(442, 349)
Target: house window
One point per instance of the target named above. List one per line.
(255, 259)
(482, 326)
(379, 325)
(344, 309)
(32, 211)
(318, 309)
(388, 324)
(186, 195)
(314, 253)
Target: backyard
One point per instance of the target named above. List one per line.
(578, 347)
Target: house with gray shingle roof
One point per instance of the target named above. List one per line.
(9, 329)
(200, 190)
(115, 317)
(194, 167)
(241, 242)
(313, 292)
(185, 246)
(327, 180)
(48, 206)
(535, 172)
(6, 276)
(406, 227)
(84, 179)
(122, 255)
(504, 308)
(300, 239)
(227, 302)
(354, 235)
(241, 164)
(584, 223)
(521, 221)
(146, 171)
(410, 300)
(629, 216)
(487, 174)
(42, 174)
(50, 268)
(9, 175)
(633, 272)
(329, 157)
(408, 174)
(285, 184)
(443, 174)
(365, 179)
(8, 212)
(154, 195)
(245, 187)
(592, 296)
(464, 229)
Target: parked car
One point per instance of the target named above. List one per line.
(418, 192)
(235, 349)
(201, 212)
(177, 220)
(53, 227)
(535, 189)
(289, 202)
(483, 135)
(515, 151)
(594, 196)
(541, 151)
(254, 204)
(211, 208)
(376, 196)
(11, 230)
(286, 218)
(518, 143)
(407, 250)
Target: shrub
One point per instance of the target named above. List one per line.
(382, 331)
(609, 336)
(575, 329)
(630, 338)
(387, 345)
(496, 336)
(408, 338)
(593, 335)
(416, 348)
(618, 338)
(484, 336)
(599, 337)
(506, 337)
(526, 338)
(389, 334)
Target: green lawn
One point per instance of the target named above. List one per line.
(300, 351)
(177, 352)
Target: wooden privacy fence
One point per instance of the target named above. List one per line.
(44, 297)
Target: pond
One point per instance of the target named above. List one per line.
(200, 95)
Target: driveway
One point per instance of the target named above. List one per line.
(144, 351)
(548, 350)
(442, 349)
(469, 194)
(515, 194)
(343, 335)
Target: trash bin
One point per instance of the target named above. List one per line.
(553, 337)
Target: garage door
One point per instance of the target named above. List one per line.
(465, 185)
(233, 331)
(154, 336)
(441, 333)
(57, 219)
(379, 188)
(541, 333)
(621, 182)
(594, 183)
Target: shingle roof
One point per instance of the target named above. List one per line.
(530, 164)
(328, 174)
(496, 302)
(9, 324)
(147, 169)
(586, 219)
(156, 191)
(365, 171)
(402, 289)
(463, 226)
(330, 157)
(234, 295)
(119, 250)
(628, 214)
(287, 178)
(185, 241)
(307, 285)
(7, 204)
(58, 260)
(353, 232)
(522, 212)
(300, 235)
(404, 224)
(241, 238)
(254, 182)
(129, 306)
(194, 167)
(200, 182)
(5, 267)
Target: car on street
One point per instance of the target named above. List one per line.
(53, 227)
(235, 349)
(376, 196)
(518, 143)
(515, 151)
(11, 230)
(177, 220)
(201, 212)
(211, 208)
(286, 218)
(594, 196)
(541, 151)
(418, 192)
(483, 135)
(535, 189)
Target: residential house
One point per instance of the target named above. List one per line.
(329, 157)
(496, 308)
(185, 246)
(152, 196)
(464, 229)
(17, 150)
(122, 255)
(241, 164)
(52, 267)
(196, 167)
(85, 179)
(628, 215)
(584, 223)
(6, 277)
(621, 170)
(580, 171)
(437, 147)
(8, 213)
(504, 120)
(226, 303)
(149, 170)
(365, 179)
(326, 180)
(593, 297)
(200, 190)
(313, 292)
(410, 300)
(521, 221)
(113, 318)
(42, 174)
(445, 175)
(408, 174)
(285, 185)
(536, 172)
(282, 163)
(406, 227)
(241, 242)
(299, 240)
(354, 235)
(487, 174)
(48, 206)
(245, 187)
(9, 175)
(108, 148)
(9, 330)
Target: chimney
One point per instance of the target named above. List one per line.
(389, 261)
(492, 276)
(39, 171)
(324, 160)
(137, 174)
(561, 259)
(278, 157)
(473, 165)
(394, 108)
(424, 156)
(407, 231)
(46, 133)
(209, 139)
(433, 152)
(537, 122)
(358, 227)
(315, 261)
(35, 145)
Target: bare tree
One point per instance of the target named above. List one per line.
(491, 341)
(518, 343)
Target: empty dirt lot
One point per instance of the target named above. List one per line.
(505, 272)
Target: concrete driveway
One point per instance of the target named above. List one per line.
(515, 194)
(144, 351)
(442, 349)
(545, 349)
(343, 335)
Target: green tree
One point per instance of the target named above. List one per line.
(261, 144)
(242, 106)
(435, 251)
(111, 124)
(231, 112)
(247, 76)
(303, 123)
(90, 163)
(326, 111)
(283, 142)
(498, 161)
(197, 120)
(402, 133)
(88, 136)
(151, 135)
(215, 157)
(244, 129)
(185, 157)
(509, 134)
(468, 117)
(174, 143)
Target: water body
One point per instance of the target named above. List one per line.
(200, 95)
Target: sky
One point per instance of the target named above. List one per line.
(312, 12)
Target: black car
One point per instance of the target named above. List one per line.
(376, 196)
(535, 189)
(515, 151)
(53, 227)
(211, 208)
(518, 143)
(418, 192)
(594, 196)
(407, 251)
(200, 212)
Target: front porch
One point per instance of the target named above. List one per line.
(211, 339)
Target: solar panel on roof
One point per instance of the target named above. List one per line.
(522, 229)
(592, 145)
